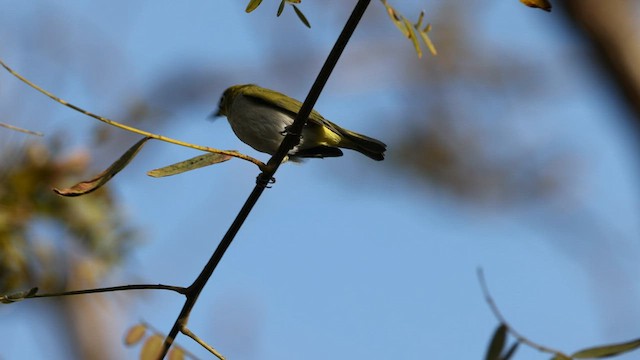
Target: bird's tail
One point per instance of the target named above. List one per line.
(365, 145)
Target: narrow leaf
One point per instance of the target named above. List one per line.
(294, 1)
(607, 350)
(427, 41)
(280, 8)
(497, 343)
(190, 164)
(538, 4)
(561, 357)
(413, 37)
(151, 348)
(512, 350)
(253, 4)
(85, 187)
(419, 22)
(19, 296)
(396, 19)
(301, 16)
(135, 334)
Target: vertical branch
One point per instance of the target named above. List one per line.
(264, 178)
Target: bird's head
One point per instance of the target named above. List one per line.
(227, 98)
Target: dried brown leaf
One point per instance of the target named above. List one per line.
(85, 187)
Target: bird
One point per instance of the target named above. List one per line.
(260, 117)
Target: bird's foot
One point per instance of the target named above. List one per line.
(263, 181)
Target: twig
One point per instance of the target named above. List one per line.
(21, 129)
(496, 312)
(209, 348)
(178, 289)
(132, 129)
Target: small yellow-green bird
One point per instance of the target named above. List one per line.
(260, 118)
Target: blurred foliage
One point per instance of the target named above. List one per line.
(611, 29)
(459, 135)
(40, 231)
(152, 341)
(460, 160)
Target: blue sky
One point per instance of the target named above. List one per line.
(325, 266)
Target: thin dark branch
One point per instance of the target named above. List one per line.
(291, 140)
(496, 312)
(178, 289)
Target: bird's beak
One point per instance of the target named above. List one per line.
(214, 115)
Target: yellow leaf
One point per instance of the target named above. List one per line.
(135, 334)
(151, 348)
(539, 4)
(427, 40)
(419, 22)
(177, 353)
(412, 36)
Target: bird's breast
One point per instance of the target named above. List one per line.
(259, 126)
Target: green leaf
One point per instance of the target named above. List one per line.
(190, 164)
(538, 4)
(497, 343)
(561, 357)
(253, 4)
(85, 187)
(301, 16)
(19, 296)
(607, 350)
(280, 8)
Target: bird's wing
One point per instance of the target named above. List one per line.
(286, 104)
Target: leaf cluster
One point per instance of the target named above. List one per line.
(93, 225)
(412, 30)
(152, 344)
(253, 4)
(497, 346)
